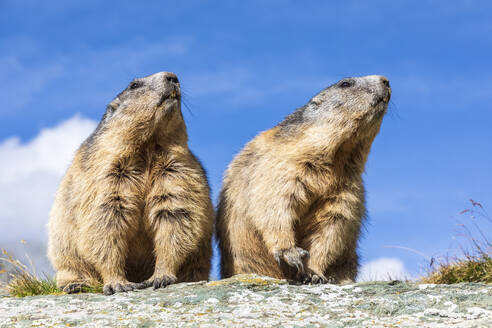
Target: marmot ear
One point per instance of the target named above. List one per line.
(110, 108)
(317, 100)
(113, 106)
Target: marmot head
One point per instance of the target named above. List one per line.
(149, 105)
(356, 97)
(352, 105)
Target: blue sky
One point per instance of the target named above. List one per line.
(244, 66)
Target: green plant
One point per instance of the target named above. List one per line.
(24, 282)
(469, 269)
(476, 263)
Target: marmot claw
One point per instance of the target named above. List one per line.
(75, 287)
(160, 282)
(292, 256)
(313, 278)
(121, 287)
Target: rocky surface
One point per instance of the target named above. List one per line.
(253, 301)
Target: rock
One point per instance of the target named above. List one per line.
(250, 300)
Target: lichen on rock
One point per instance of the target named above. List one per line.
(251, 300)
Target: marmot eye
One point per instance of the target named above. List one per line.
(135, 85)
(345, 84)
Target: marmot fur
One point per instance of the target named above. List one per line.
(134, 208)
(292, 201)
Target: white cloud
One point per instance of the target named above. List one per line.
(384, 268)
(29, 178)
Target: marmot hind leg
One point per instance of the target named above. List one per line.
(197, 266)
(344, 271)
(72, 281)
(72, 272)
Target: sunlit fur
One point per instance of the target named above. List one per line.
(299, 185)
(134, 204)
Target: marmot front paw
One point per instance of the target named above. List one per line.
(292, 256)
(121, 287)
(160, 281)
(74, 287)
(313, 278)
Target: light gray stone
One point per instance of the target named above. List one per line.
(254, 301)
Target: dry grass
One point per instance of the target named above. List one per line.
(22, 281)
(476, 263)
(470, 269)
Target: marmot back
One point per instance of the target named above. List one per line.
(292, 201)
(134, 208)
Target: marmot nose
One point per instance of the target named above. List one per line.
(385, 81)
(387, 88)
(171, 78)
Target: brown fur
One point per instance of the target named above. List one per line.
(292, 201)
(134, 205)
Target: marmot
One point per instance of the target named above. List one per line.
(134, 207)
(292, 201)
